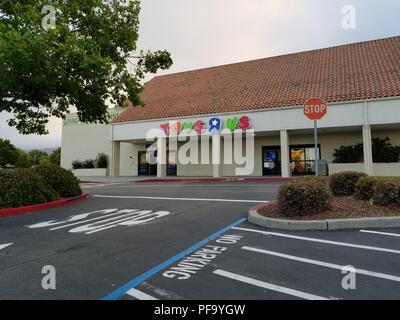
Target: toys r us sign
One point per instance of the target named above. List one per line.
(214, 125)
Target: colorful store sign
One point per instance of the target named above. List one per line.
(213, 125)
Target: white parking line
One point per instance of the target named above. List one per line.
(323, 264)
(2, 246)
(179, 199)
(382, 233)
(269, 286)
(336, 243)
(198, 186)
(140, 295)
(96, 185)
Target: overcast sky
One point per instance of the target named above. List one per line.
(203, 33)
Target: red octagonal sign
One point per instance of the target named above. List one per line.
(315, 108)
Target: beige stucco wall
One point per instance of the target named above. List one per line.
(81, 142)
(329, 142)
(84, 141)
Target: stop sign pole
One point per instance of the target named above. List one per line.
(316, 155)
(315, 109)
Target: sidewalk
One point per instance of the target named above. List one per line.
(86, 179)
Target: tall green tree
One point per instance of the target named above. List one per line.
(35, 156)
(8, 153)
(57, 54)
(55, 157)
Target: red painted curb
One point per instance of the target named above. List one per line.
(265, 204)
(209, 179)
(42, 206)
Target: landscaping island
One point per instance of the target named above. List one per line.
(346, 195)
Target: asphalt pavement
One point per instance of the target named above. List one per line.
(187, 240)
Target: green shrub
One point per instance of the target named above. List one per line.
(387, 191)
(88, 164)
(102, 161)
(364, 189)
(61, 180)
(76, 164)
(348, 154)
(344, 183)
(303, 196)
(24, 187)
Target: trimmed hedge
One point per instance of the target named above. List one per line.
(88, 164)
(364, 189)
(76, 164)
(344, 183)
(61, 180)
(303, 196)
(102, 161)
(381, 190)
(387, 191)
(24, 187)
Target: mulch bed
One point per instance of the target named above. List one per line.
(341, 207)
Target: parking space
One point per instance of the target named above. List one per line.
(251, 263)
(188, 241)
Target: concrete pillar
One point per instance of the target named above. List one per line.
(285, 159)
(216, 155)
(367, 144)
(161, 157)
(115, 158)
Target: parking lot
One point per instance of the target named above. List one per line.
(188, 240)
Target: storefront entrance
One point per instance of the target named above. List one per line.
(271, 161)
(172, 163)
(145, 168)
(302, 159)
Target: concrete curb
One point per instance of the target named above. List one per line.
(330, 224)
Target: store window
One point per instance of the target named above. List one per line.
(302, 159)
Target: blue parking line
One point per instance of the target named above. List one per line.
(148, 274)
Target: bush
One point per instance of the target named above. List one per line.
(76, 164)
(344, 183)
(348, 154)
(102, 161)
(303, 196)
(88, 164)
(364, 189)
(387, 191)
(24, 187)
(61, 180)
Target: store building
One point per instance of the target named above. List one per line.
(361, 83)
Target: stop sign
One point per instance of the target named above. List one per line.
(315, 108)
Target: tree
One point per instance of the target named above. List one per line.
(80, 54)
(55, 157)
(23, 161)
(34, 156)
(8, 153)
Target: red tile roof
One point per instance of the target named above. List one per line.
(350, 72)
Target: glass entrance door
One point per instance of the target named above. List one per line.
(144, 167)
(172, 163)
(302, 159)
(271, 161)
